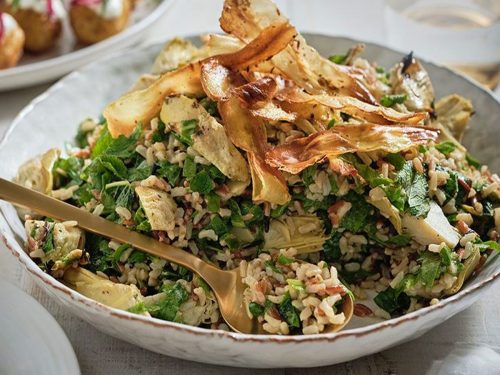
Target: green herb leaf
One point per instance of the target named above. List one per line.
(399, 240)
(390, 100)
(168, 307)
(189, 170)
(308, 175)
(202, 183)
(331, 248)
(48, 243)
(288, 312)
(392, 300)
(357, 217)
(121, 147)
(446, 256)
(397, 160)
(417, 196)
(472, 161)
(486, 245)
(256, 309)
(446, 148)
(213, 202)
(430, 268)
(282, 259)
(271, 265)
(338, 59)
(236, 217)
(188, 127)
(171, 172)
(279, 211)
(298, 285)
(159, 135)
(141, 172)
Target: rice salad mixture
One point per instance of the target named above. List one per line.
(362, 189)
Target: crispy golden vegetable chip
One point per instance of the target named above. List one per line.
(301, 153)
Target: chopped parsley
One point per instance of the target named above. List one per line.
(390, 100)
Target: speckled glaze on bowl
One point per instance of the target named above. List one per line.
(52, 118)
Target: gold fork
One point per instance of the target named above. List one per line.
(226, 285)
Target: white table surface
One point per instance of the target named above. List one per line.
(477, 328)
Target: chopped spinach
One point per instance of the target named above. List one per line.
(202, 183)
(288, 312)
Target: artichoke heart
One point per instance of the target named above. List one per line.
(435, 228)
(177, 52)
(411, 79)
(36, 174)
(470, 265)
(51, 241)
(210, 139)
(119, 296)
(454, 112)
(158, 206)
(303, 233)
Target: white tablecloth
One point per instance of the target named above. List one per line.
(468, 338)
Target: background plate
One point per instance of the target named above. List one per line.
(66, 56)
(31, 341)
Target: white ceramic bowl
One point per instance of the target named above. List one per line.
(66, 56)
(52, 119)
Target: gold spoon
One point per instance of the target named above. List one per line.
(226, 285)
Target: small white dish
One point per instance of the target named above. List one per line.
(66, 56)
(31, 341)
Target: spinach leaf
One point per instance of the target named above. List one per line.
(141, 221)
(308, 175)
(236, 217)
(278, 211)
(171, 172)
(399, 240)
(159, 135)
(397, 160)
(331, 248)
(415, 187)
(168, 307)
(140, 172)
(392, 300)
(288, 312)
(446, 148)
(218, 225)
(372, 177)
(213, 202)
(486, 245)
(189, 170)
(202, 183)
(358, 216)
(282, 259)
(430, 268)
(120, 147)
(417, 196)
(256, 309)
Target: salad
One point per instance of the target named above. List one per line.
(317, 176)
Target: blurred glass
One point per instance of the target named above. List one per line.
(463, 34)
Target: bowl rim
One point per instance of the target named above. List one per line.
(98, 307)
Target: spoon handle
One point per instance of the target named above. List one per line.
(53, 208)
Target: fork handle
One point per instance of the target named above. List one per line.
(53, 208)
